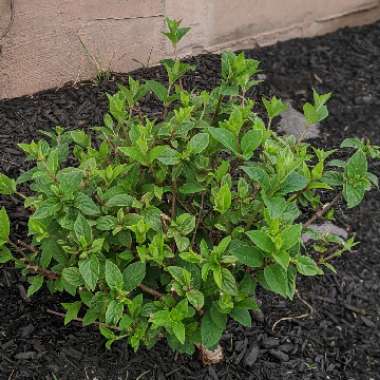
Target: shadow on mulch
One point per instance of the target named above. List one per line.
(340, 341)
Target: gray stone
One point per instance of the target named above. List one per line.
(326, 228)
(294, 123)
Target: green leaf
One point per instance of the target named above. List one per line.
(114, 277)
(294, 182)
(274, 107)
(5, 255)
(307, 266)
(353, 195)
(282, 257)
(226, 138)
(191, 188)
(179, 330)
(165, 154)
(82, 230)
(276, 206)
(213, 325)
(125, 322)
(72, 310)
(90, 317)
(72, 276)
(161, 318)
(228, 282)
(4, 226)
(179, 274)
(90, 271)
(357, 165)
(49, 249)
(86, 205)
(242, 316)
(257, 174)
(182, 242)
(7, 185)
(133, 275)
(114, 312)
(276, 279)
(35, 285)
(70, 179)
(185, 223)
(180, 311)
(315, 113)
(158, 89)
(250, 142)
(246, 253)
(223, 199)
(106, 223)
(80, 138)
(135, 154)
(120, 200)
(292, 277)
(352, 143)
(196, 298)
(261, 240)
(291, 236)
(198, 143)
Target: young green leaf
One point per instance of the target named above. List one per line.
(276, 279)
(242, 316)
(82, 230)
(35, 285)
(4, 226)
(223, 199)
(114, 312)
(225, 138)
(133, 275)
(7, 185)
(196, 298)
(72, 310)
(274, 107)
(90, 271)
(114, 277)
(261, 240)
(5, 255)
(307, 266)
(246, 253)
(198, 143)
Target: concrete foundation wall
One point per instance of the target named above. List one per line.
(46, 43)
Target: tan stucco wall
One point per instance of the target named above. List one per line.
(51, 42)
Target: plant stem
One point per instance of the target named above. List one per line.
(217, 108)
(326, 207)
(174, 200)
(153, 292)
(100, 324)
(50, 275)
(21, 195)
(199, 219)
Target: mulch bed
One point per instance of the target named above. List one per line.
(339, 341)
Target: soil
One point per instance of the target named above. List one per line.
(339, 340)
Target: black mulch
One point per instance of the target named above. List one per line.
(340, 341)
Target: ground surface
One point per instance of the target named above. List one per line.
(340, 341)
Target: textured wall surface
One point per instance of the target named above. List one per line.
(46, 43)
